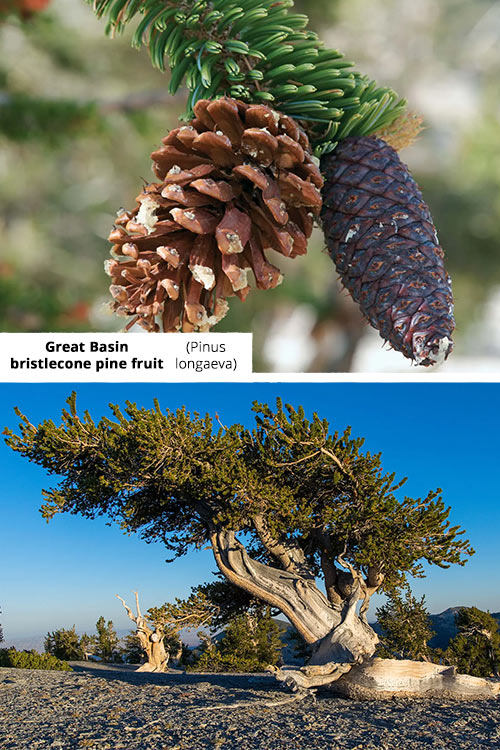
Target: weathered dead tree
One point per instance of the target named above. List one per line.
(151, 638)
(161, 626)
(388, 678)
(281, 507)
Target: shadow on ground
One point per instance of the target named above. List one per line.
(125, 673)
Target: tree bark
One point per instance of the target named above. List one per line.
(297, 597)
(349, 642)
(151, 640)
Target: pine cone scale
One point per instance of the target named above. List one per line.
(184, 177)
(218, 190)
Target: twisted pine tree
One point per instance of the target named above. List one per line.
(239, 179)
(282, 507)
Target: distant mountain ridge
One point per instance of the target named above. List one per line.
(443, 625)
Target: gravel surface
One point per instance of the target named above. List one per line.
(98, 708)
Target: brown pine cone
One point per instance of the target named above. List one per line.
(237, 181)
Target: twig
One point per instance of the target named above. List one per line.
(144, 726)
(298, 696)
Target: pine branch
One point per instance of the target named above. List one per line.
(258, 52)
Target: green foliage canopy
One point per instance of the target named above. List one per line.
(64, 643)
(227, 602)
(197, 610)
(175, 477)
(250, 643)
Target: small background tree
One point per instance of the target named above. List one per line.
(158, 630)
(406, 628)
(106, 642)
(88, 644)
(476, 648)
(250, 643)
(131, 649)
(64, 644)
(67, 644)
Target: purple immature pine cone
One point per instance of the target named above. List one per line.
(382, 239)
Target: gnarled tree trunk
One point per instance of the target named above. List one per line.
(342, 640)
(377, 679)
(151, 640)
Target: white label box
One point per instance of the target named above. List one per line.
(124, 357)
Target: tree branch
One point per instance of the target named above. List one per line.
(330, 576)
(129, 611)
(290, 556)
(137, 604)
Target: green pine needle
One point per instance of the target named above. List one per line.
(258, 54)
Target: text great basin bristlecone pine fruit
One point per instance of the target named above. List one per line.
(381, 236)
(237, 180)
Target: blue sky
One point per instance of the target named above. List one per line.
(68, 571)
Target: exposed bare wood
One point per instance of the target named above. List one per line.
(351, 641)
(303, 680)
(151, 640)
(388, 678)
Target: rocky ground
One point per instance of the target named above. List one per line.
(98, 708)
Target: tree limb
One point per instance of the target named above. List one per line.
(137, 604)
(290, 556)
(129, 611)
(330, 576)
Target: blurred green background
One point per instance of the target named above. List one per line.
(66, 169)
